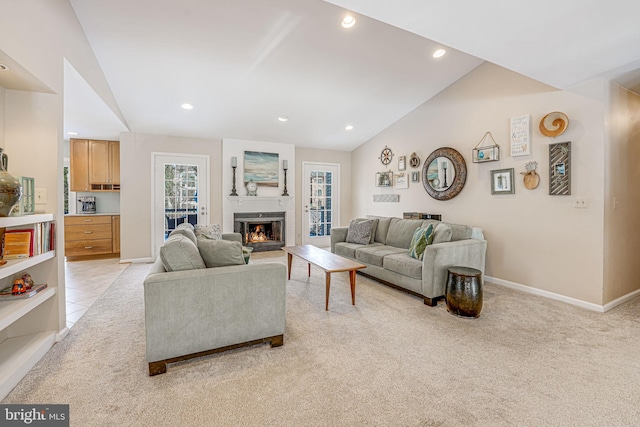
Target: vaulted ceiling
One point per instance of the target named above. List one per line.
(244, 63)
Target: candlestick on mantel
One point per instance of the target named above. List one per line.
(285, 166)
(234, 165)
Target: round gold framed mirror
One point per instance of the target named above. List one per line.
(444, 173)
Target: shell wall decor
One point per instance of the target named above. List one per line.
(554, 124)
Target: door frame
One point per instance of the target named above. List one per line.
(154, 157)
(335, 207)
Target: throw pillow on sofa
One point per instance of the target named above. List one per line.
(421, 238)
(442, 233)
(185, 231)
(210, 231)
(179, 253)
(220, 253)
(360, 231)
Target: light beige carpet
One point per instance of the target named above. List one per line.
(388, 361)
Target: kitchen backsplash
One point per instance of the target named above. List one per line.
(105, 202)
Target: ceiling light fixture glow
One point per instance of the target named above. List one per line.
(187, 106)
(348, 127)
(4, 67)
(439, 53)
(283, 118)
(348, 21)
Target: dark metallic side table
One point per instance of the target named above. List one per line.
(464, 291)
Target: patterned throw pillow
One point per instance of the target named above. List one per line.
(211, 231)
(421, 238)
(360, 232)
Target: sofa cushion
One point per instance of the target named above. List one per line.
(374, 254)
(403, 264)
(421, 238)
(210, 231)
(382, 229)
(360, 231)
(184, 231)
(460, 232)
(374, 229)
(442, 233)
(220, 253)
(349, 249)
(401, 231)
(179, 253)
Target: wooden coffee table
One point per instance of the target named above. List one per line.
(327, 261)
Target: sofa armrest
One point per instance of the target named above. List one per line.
(338, 234)
(188, 312)
(439, 257)
(234, 237)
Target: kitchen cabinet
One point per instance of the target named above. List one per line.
(95, 165)
(91, 235)
(115, 233)
(29, 327)
(79, 165)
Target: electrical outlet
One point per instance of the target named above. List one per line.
(41, 196)
(581, 203)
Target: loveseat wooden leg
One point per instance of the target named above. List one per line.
(156, 368)
(277, 341)
(431, 302)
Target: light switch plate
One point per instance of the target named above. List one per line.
(41, 196)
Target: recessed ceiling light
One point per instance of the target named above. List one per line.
(187, 106)
(283, 118)
(348, 127)
(72, 133)
(348, 21)
(3, 67)
(439, 53)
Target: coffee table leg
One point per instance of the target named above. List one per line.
(309, 269)
(328, 280)
(289, 258)
(352, 279)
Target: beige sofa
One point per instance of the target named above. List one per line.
(387, 259)
(195, 311)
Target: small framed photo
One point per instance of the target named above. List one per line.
(402, 163)
(415, 176)
(559, 169)
(502, 181)
(402, 181)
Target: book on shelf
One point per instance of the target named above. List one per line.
(18, 243)
(6, 295)
(23, 242)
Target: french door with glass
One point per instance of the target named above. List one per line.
(320, 210)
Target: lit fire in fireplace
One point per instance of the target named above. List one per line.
(258, 234)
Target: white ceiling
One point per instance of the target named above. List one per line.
(243, 63)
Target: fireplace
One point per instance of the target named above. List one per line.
(263, 231)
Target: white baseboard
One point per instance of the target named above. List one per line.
(624, 298)
(136, 260)
(63, 333)
(550, 295)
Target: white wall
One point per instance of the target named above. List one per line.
(534, 239)
(135, 185)
(622, 198)
(2, 113)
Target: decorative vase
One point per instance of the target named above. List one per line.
(10, 190)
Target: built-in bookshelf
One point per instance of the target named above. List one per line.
(29, 327)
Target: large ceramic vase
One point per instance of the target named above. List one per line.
(10, 189)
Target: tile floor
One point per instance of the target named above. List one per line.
(85, 281)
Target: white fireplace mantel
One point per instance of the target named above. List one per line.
(240, 200)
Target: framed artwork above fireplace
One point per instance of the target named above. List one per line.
(261, 168)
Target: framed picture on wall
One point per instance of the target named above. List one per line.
(402, 181)
(502, 181)
(415, 176)
(402, 163)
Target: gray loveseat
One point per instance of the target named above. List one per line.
(195, 311)
(387, 259)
